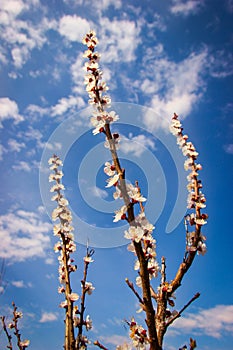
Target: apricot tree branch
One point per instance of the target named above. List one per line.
(196, 201)
(9, 337)
(97, 343)
(85, 289)
(131, 286)
(171, 320)
(102, 124)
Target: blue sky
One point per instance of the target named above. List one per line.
(157, 58)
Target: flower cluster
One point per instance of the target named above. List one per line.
(63, 229)
(140, 230)
(138, 335)
(95, 87)
(196, 199)
(66, 246)
(22, 344)
(83, 342)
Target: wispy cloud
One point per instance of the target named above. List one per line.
(2, 151)
(136, 145)
(114, 339)
(119, 39)
(21, 284)
(37, 110)
(48, 317)
(23, 166)
(96, 7)
(23, 235)
(186, 7)
(15, 146)
(179, 86)
(73, 27)
(9, 110)
(229, 4)
(221, 64)
(70, 103)
(98, 192)
(32, 135)
(213, 322)
(22, 36)
(229, 148)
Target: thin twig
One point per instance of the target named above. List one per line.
(192, 344)
(89, 254)
(9, 337)
(131, 286)
(97, 343)
(182, 310)
(163, 270)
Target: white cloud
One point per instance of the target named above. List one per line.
(38, 110)
(20, 56)
(12, 7)
(23, 235)
(2, 151)
(14, 75)
(98, 192)
(22, 165)
(55, 146)
(48, 317)
(114, 339)
(229, 5)
(96, 6)
(119, 40)
(33, 135)
(3, 58)
(49, 261)
(67, 104)
(77, 74)
(18, 284)
(22, 36)
(136, 144)
(229, 148)
(15, 146)
(73, 27)
(213, 322)
(21, 284)
(179, 87)
(106, 3)
(186, 7)
(9, 110)
(221, 64)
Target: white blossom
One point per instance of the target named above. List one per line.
(88, 259)
(134, 233)
(201, 248)
(109, 169)
(134, 193)
(112, 181)
(57, 187)
(73, 296)
(63, 304)
(89, 288)
(88, 323)
(25, 343)
(119, 214)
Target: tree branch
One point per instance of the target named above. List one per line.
(131, 286)
(97, 343)
(182, 310)
(9, 337)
